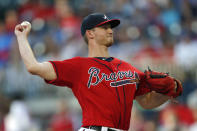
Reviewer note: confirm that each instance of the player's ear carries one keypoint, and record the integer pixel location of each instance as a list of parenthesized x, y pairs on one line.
[(89, 34)]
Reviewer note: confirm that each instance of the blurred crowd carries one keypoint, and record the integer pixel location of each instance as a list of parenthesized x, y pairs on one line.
[(161, 34)]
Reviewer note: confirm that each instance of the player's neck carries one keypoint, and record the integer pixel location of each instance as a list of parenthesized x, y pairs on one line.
[(96, 50)]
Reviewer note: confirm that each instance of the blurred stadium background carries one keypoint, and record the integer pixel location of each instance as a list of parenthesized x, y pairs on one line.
[(161, 34)]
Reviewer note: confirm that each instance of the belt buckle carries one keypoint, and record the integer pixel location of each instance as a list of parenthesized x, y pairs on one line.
[(104, 128), (101, 128), (96, 128)]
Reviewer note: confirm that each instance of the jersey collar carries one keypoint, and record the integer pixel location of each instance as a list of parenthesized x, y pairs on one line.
[(108, 59)]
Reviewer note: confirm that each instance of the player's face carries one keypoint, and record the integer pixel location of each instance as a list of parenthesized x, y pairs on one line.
[(104, 35)]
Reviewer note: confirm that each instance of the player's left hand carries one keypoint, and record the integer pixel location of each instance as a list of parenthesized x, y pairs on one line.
[(163, 83)]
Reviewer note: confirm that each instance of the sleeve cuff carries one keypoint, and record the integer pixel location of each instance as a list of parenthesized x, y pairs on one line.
[(55, 69)]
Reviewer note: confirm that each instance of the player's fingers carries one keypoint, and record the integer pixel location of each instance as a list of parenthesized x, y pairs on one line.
[(175, 87), (174, 100), (18, 28), (24, 26)]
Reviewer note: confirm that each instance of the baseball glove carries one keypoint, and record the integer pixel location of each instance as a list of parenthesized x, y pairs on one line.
[(163, 83)]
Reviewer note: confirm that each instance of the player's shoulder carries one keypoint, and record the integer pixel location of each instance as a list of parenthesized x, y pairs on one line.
[(122, 61), (127, 63), (77, 59), (80, 58)]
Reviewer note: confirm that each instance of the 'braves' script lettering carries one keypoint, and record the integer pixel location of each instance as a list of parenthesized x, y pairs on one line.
[(125, 77)]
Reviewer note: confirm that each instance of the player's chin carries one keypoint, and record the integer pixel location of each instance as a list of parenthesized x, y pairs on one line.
[(110, 43)]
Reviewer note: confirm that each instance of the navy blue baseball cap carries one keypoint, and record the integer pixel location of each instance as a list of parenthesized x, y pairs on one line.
[(95, 20)]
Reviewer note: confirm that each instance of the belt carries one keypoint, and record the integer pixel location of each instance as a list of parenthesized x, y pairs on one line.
[(101, 128)]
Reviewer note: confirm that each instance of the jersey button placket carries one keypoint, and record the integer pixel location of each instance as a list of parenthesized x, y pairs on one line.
[(115, 70)]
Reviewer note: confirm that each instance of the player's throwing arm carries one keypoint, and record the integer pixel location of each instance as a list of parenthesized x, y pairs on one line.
[(44, 69)]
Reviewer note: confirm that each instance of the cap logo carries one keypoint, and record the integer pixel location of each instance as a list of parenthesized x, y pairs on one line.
[(105, 17), (95, 20)]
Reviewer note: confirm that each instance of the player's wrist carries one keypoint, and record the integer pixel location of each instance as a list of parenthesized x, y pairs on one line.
[(21, 37)]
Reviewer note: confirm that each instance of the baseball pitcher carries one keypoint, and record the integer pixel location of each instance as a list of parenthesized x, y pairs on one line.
[(104, 86)]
